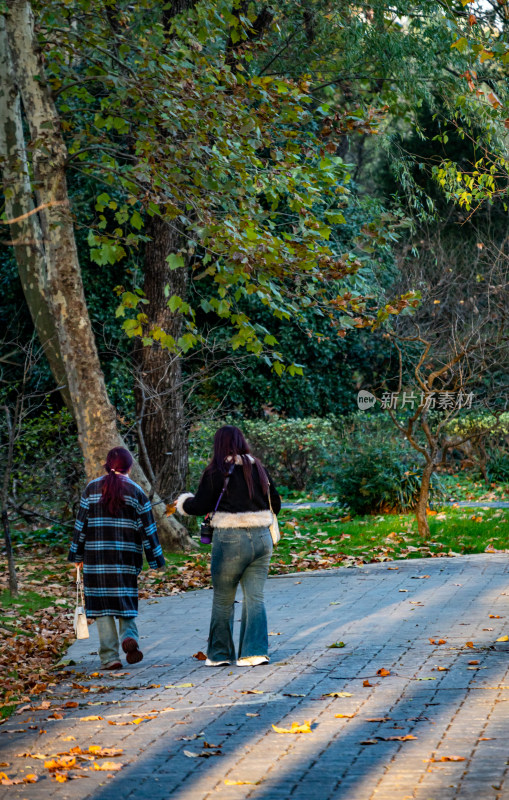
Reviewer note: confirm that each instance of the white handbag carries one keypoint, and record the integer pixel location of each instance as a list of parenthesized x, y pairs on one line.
[(274, 525), (80, 618)]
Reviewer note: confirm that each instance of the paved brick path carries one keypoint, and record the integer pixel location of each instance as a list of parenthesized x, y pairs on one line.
[(385, 614)]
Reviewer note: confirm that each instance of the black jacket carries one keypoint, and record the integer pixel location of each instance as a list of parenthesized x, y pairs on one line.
[(236, 509)]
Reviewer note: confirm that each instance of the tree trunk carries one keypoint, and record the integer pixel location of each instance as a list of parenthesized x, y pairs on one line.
[(61, 280), (423, 501), (162, 428), (26, 234)]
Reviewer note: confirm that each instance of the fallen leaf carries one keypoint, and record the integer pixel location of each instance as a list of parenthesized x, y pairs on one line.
[(379, 719), (440, 641), (441, 669), (405, 738), (337, 694), (495, 616), (296, 728), (99, 751), (473, 662), (68, 738), (56, 715), (369, 741), (503, 639), (110, 766), (228, 782), (293, 694), (71, 704), (90, 719), (383, 672), (346, 716), (252, 691), (471, 644), (336, 645), (30, 778), (60, 777), (446, 758), (200, 656), (179, 685), (366, 683), (252, 715), (203, 754)]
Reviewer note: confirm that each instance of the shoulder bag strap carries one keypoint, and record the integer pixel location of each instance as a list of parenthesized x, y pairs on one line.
[(223, 490)]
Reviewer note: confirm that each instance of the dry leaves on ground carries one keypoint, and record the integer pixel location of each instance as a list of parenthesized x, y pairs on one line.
[(296, 728)]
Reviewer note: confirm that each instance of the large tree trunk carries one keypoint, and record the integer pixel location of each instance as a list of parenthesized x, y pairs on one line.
[(25, 234), (423, 501), (61, 277), (162, 427)]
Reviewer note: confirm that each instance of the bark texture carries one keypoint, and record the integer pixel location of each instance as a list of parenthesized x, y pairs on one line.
[(26, 235), (61, 277), (162, 428), (423, 501)]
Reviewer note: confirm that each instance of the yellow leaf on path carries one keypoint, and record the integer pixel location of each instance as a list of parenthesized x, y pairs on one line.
[(228, 782), (97, 750), (30, 778), (346, 716), (68, 738), (383, 672), (470, 644), (447, 758), (107, 766), (251, 691), (337, 694), (179, 686), (60, 777), (503, 639), (90, 719), (296, 728)]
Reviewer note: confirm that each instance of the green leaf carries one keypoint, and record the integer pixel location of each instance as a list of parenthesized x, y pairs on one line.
[(175, 260)]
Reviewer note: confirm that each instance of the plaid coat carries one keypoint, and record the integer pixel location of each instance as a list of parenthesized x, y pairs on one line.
[(111, 548)]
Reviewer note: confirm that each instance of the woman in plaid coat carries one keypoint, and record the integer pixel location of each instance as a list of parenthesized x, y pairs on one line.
[(114, 525)]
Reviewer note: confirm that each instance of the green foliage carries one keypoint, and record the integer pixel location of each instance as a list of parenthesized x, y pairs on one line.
[(376, 470), (498, 466), (48, 468)]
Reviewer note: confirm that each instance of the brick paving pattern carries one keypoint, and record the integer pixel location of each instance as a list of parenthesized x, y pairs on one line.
[(384, 613)]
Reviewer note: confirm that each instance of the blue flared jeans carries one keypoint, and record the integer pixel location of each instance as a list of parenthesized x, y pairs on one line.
[(239, 555)]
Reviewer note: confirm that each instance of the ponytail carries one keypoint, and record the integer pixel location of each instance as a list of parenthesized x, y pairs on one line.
[(118, 462)]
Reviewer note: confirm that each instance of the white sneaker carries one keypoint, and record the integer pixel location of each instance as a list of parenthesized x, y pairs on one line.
[(252, 661), (210, 663)]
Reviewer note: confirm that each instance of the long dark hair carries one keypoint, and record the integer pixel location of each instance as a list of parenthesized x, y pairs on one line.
[(118, 462), (230, 442)]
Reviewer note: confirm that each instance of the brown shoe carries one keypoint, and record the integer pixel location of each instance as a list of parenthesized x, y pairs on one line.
[(112, 665), (132, 651)]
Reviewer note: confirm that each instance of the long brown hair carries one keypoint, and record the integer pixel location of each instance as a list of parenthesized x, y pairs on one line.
[(118, 462), (230, 442)]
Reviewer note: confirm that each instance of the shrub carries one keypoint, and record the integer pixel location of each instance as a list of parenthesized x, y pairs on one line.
[(377, 469), (498, 467), (297, 452)]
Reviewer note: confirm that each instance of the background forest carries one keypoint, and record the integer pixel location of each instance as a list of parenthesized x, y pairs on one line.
[(250, 212)]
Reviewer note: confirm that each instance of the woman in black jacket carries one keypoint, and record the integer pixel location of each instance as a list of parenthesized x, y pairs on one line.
[(241, 547)]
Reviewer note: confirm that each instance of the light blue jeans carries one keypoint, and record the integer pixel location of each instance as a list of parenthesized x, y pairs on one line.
[(239, 555), (108, 637)]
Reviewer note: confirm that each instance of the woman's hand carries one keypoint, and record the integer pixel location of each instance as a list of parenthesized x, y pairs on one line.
[(79, 565)]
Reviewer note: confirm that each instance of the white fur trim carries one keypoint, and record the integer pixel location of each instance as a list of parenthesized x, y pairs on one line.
[(180, 502), (242, 519), (238, 459)]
